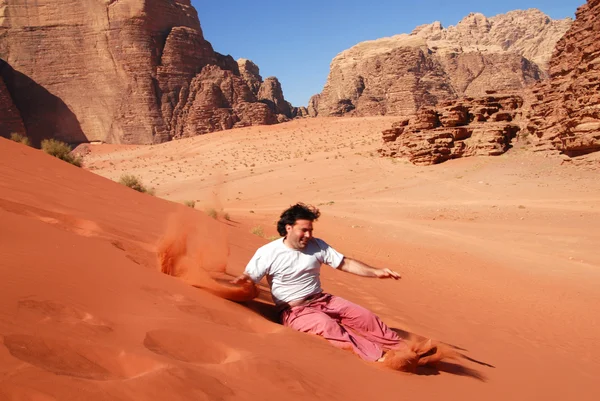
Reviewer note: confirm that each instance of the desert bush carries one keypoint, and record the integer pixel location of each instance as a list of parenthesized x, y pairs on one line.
[(227, 216), (190, 203), (135, 183), (258, 230), (15, 136), (61, 151), (212, 213)]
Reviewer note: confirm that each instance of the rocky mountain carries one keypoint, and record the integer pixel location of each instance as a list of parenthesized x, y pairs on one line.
[(561, 113), (399, 74), (121, 71), (565, 110)]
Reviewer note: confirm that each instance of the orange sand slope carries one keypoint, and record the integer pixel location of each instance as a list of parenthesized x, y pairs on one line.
[(84, 313)]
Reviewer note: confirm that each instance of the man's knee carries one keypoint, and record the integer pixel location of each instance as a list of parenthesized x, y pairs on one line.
[(351, 310), (316, 323)]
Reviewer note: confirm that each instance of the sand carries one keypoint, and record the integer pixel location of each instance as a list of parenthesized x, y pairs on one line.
[(498, 257)]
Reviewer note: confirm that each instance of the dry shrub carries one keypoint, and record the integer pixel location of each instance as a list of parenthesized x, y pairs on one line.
[(15, 136), (61, 151)]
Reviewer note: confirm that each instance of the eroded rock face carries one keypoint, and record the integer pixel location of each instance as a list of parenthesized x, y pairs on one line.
[(271, 94), (529, 33), (565, 110), (251, 74), (313, 105), (114, 70), (216, 100), (401, 74), (482, 126), (10, 117), (300, 112)]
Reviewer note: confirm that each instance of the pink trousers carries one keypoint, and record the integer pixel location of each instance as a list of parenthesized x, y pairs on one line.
[(343, 324)]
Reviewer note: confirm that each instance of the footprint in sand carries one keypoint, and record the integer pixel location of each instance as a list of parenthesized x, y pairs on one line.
[(12, 391), (70, 358), (83, 227), (188, 306), (51, 311), (204, 313), (188, 383), (119, 245), (288, 377), (248, 324), (165, 295), (190, 347)]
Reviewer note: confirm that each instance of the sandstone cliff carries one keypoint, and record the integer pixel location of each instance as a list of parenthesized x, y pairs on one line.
[(398, 75), (565, 113), (10, 117), (125, 71)]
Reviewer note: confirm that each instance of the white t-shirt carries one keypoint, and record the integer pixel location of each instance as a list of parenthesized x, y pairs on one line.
[(292, 274)]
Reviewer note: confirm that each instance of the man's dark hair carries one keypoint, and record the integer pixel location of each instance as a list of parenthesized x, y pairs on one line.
[(299, 211)]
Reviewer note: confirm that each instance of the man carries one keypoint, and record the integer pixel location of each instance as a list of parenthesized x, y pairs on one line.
[(292, 265)]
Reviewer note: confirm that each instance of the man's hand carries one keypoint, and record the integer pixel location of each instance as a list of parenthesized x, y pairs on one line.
[(356, 267), (242, 279), (387, 273)]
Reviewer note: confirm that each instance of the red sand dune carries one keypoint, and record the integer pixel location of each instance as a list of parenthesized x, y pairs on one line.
[(85, 312)]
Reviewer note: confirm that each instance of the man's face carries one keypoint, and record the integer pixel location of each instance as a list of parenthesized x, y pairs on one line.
[(299, 234)]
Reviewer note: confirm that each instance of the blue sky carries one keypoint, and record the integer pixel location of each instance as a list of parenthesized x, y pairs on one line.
[(296, 40)]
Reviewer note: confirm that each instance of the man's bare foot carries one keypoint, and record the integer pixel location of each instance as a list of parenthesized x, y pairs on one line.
[(416, 354), (405, 360), (436, 354)]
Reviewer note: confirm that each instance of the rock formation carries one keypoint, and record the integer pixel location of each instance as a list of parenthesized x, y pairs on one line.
[(400, 74), (269, 92), (565, 113), (216, 100), (562, 112), (123, 71), (251, 74), (10, 118), (481, 126), (313, 105)]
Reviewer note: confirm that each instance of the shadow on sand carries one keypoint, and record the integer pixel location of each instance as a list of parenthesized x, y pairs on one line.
[(444, 366)]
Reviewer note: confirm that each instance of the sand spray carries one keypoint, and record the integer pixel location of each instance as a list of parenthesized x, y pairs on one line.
[(192, 247)]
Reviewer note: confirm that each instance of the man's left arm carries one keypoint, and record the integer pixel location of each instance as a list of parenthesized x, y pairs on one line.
[(362, 269)]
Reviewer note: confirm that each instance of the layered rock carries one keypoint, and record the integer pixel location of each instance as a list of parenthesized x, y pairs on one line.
[(482, 126), (251, 74), (529, 33), (400, 74), (313, 105), (565, 113), (269, 92), (300, 112), (10, 117), (216, 100), (114, 71)]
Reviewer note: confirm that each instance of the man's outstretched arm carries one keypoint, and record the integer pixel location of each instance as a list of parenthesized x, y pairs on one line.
[(361, 269)]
